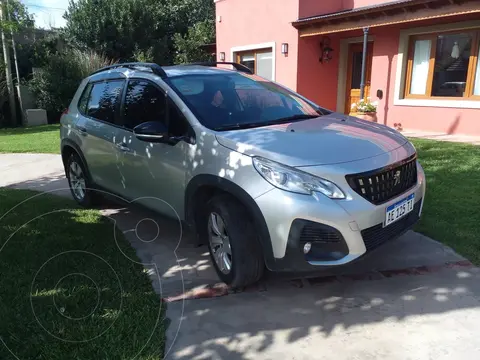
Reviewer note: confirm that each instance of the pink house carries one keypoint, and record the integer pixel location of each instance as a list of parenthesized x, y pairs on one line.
[(420, 61)]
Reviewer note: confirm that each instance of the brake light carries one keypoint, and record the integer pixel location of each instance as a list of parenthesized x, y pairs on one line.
[(65, 112)]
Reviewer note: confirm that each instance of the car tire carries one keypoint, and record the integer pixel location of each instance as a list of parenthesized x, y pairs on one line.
[(227, 221), (79, 182)]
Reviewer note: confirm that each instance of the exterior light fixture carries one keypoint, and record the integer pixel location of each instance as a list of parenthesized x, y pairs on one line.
[(325, 50), (222, 56), (284, 48)]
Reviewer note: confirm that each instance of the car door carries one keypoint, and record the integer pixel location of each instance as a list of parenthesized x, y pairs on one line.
[(98, 127), (154, 172)]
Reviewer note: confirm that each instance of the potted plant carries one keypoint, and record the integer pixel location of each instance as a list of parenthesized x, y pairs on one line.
[(365, 110)]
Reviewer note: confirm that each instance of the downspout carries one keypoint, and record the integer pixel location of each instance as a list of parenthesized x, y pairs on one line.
[(364, 60)]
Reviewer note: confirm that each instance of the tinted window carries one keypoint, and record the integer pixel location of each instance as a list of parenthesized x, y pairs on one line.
[(236, 100), (177, 123), (82, 103), (104, 99), (143, 102)]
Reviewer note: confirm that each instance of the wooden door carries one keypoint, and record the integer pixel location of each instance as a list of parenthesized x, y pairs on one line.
[(354, 74)]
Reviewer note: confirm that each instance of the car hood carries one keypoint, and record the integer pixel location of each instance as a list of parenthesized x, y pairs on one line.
[(328, 139)]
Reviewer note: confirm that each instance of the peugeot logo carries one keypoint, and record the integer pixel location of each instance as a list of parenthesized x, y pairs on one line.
[(396, 178)]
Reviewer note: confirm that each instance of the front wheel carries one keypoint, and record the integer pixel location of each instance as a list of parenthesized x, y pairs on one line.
[(233, 243)]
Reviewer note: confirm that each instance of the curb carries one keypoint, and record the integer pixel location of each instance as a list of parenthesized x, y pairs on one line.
[(221, 289)]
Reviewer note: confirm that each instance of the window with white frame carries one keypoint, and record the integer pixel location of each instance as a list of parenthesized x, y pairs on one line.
[(259, 61)]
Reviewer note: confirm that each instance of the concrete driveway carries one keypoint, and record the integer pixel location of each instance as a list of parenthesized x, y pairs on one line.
[(411, 299)]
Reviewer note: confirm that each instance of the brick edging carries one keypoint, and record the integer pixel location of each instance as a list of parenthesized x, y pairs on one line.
[(221, 289)]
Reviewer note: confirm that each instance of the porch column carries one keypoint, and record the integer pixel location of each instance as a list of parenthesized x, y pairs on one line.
[(364, 60)]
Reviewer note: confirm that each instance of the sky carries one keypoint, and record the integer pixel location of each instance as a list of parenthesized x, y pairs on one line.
[(47, 13)]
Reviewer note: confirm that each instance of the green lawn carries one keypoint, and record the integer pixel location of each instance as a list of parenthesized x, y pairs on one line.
[(37, 139), (66, 289), (452, 205)]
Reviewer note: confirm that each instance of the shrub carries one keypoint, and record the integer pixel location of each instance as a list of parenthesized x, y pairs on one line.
[(365, 106), (55, 84)]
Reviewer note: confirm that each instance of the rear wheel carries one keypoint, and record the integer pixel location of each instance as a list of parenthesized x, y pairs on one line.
[(80, 184), (233, 243)]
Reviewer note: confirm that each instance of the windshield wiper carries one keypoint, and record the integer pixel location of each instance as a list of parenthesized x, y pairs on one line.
[(265, 123)]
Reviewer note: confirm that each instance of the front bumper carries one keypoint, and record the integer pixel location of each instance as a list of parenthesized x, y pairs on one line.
[(358, 222)]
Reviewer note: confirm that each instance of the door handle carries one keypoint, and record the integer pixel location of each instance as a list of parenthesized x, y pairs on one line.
[(122, 146), (83, 130)]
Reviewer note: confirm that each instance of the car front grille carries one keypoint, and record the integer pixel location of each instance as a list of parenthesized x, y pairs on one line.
[(381, 185), (376, 235)]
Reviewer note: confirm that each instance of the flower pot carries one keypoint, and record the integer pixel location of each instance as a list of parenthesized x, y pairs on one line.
[(370, 116)]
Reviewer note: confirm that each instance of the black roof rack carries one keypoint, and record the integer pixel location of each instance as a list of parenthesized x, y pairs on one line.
[(237, 66), (155, 68)]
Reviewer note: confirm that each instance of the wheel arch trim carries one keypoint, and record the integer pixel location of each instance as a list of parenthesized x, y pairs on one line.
[(70, 143), (229, 187)]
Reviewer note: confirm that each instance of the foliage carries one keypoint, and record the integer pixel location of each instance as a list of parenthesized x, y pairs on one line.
[(55, 84), (143, 56), (39, 50), (189, 46), (365, 106), (140, 29), (119, 28), (3, 81), (16, 17)]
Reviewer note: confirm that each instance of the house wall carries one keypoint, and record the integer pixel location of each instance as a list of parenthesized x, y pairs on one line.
[(318, 81), (428, 118), (251, 22), (316, 7)]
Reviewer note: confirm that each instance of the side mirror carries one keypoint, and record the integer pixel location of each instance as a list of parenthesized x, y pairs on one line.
[(151, 131)]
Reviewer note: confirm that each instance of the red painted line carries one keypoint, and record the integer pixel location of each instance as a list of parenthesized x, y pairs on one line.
[(221, 289)]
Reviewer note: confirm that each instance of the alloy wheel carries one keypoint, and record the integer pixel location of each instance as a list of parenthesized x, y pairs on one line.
[(77, 181), (220, 242)]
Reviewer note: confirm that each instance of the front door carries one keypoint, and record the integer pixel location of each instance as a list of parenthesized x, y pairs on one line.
[(354, 74), (154, 173)]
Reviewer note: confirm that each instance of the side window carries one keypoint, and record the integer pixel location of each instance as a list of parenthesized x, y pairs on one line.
[(177, 123), (143, 102), (104, 99), (82, 103)]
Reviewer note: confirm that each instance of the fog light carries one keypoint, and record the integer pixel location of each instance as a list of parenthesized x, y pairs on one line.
[(307, 247)]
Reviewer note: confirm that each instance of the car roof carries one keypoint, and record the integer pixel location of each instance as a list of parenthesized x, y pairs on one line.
[(170, 71), (179, 70)]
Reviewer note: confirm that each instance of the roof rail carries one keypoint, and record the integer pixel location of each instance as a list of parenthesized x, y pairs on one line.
[(237, 66), (155, 68)]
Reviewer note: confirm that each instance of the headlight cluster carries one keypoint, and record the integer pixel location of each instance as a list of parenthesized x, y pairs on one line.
[(293, 180)]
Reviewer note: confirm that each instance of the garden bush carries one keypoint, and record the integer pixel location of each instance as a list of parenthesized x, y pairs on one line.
[(55, 84)]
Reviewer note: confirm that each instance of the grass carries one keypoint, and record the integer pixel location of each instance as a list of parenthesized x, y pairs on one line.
[(37, 139), (66, 289), (452, 204)]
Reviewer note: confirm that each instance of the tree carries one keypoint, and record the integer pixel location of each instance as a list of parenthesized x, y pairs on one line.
[(120, 28), (16, 17), (141, 29), (196, 27), (189, 46)]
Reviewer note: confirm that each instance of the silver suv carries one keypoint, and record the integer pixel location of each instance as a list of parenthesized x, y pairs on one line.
[(264, 176)]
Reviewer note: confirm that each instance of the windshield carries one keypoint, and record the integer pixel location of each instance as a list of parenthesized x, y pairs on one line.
[(236, 100)]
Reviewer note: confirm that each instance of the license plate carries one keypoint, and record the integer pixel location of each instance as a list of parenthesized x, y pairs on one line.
[(398, 210)]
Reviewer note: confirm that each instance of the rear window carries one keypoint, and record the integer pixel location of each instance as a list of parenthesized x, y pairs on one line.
[(220, 100), (82, 103)]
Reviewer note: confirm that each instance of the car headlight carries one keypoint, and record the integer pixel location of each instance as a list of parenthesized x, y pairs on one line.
[(293, 180)]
